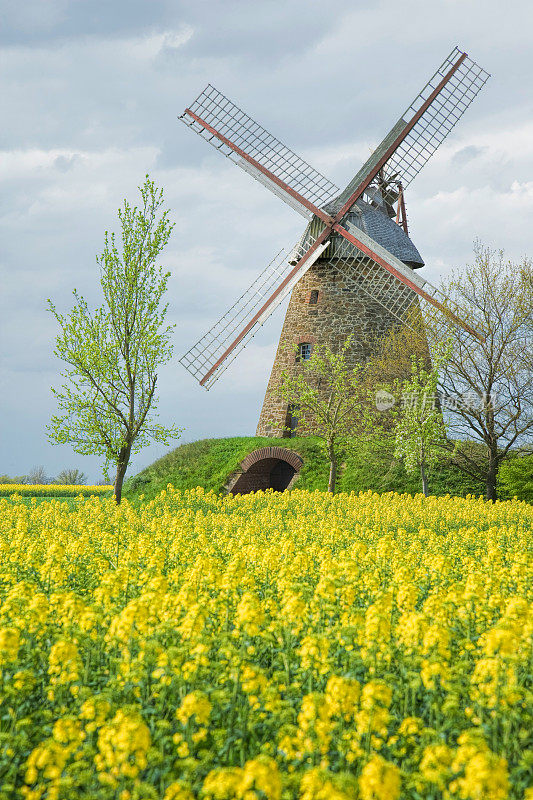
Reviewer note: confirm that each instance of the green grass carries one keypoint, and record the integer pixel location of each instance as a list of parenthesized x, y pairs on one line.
[(209, 462)]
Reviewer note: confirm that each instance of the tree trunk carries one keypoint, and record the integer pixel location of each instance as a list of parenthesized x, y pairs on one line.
[(491, 477), (332, 474), (423, 475), (122, 466)]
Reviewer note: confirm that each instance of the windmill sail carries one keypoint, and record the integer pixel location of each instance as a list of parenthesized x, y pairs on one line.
[(381, 276), (387, 280), (444, 112), (212, 354), (227, 128), (425, 124)]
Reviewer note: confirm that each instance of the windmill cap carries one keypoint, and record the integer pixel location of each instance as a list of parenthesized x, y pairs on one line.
[(379, 226)]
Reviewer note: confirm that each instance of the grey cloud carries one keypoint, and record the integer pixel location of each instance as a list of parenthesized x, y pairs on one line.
[(42, 21), (466, 154)]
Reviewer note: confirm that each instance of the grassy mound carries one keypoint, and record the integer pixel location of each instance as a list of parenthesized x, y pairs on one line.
[(209, 462)]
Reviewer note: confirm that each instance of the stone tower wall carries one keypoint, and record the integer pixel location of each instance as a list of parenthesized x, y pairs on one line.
[(341, 310)]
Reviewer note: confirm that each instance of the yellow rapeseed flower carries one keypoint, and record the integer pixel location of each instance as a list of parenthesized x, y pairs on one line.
[(380, 780)]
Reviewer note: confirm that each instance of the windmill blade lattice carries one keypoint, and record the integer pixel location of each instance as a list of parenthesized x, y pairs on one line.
[(366, 276), (213, 353), (396, 294), (223, 116), (437, 121)]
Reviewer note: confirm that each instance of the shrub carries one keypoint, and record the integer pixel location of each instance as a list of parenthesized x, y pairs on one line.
[(515, 478)]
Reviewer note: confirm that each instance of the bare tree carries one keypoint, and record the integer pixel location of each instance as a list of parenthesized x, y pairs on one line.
[(487, 386), (37, 476), (71, 477)]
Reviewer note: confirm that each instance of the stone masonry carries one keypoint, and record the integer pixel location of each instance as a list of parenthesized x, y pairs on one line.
[(341, 310)]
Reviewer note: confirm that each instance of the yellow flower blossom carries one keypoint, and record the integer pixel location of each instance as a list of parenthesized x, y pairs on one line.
[(123, 745), (380, 780), (435, 765), (9, 645), (485, 777), (260, 779), (315, 785), (194, 704), (64, 662), (176, 791), (249, 615), (222, 784)]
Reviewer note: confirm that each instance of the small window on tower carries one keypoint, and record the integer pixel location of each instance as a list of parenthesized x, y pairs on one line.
[(304, 351), (313, 297)]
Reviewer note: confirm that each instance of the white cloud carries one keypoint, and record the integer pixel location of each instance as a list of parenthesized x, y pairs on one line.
[(144, 48)]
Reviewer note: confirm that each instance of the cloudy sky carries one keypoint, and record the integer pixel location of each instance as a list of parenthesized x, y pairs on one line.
[(91, 91)]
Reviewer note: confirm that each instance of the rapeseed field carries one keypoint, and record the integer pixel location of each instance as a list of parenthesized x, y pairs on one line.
[(266, 647), (52, 490)]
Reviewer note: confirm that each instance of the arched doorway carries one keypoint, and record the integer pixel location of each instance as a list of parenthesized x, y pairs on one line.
[(267, 468)]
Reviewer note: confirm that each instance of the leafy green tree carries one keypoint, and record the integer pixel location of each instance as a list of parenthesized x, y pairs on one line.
[(486, 385), (325, 395), (420, 435), (108, 401), (18, 479)]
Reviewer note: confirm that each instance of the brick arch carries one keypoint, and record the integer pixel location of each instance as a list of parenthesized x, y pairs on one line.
[(268, 467), (290, 456)]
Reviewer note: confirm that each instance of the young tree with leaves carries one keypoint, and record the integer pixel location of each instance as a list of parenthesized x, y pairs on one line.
[(108, 402), (420, 434), (326, 393), (515, 476)]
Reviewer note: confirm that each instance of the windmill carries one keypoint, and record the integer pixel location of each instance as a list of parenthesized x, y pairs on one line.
[(353, 269)]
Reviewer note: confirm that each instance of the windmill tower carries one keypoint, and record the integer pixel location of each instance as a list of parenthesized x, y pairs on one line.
[(353, 270), (327, 304)]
